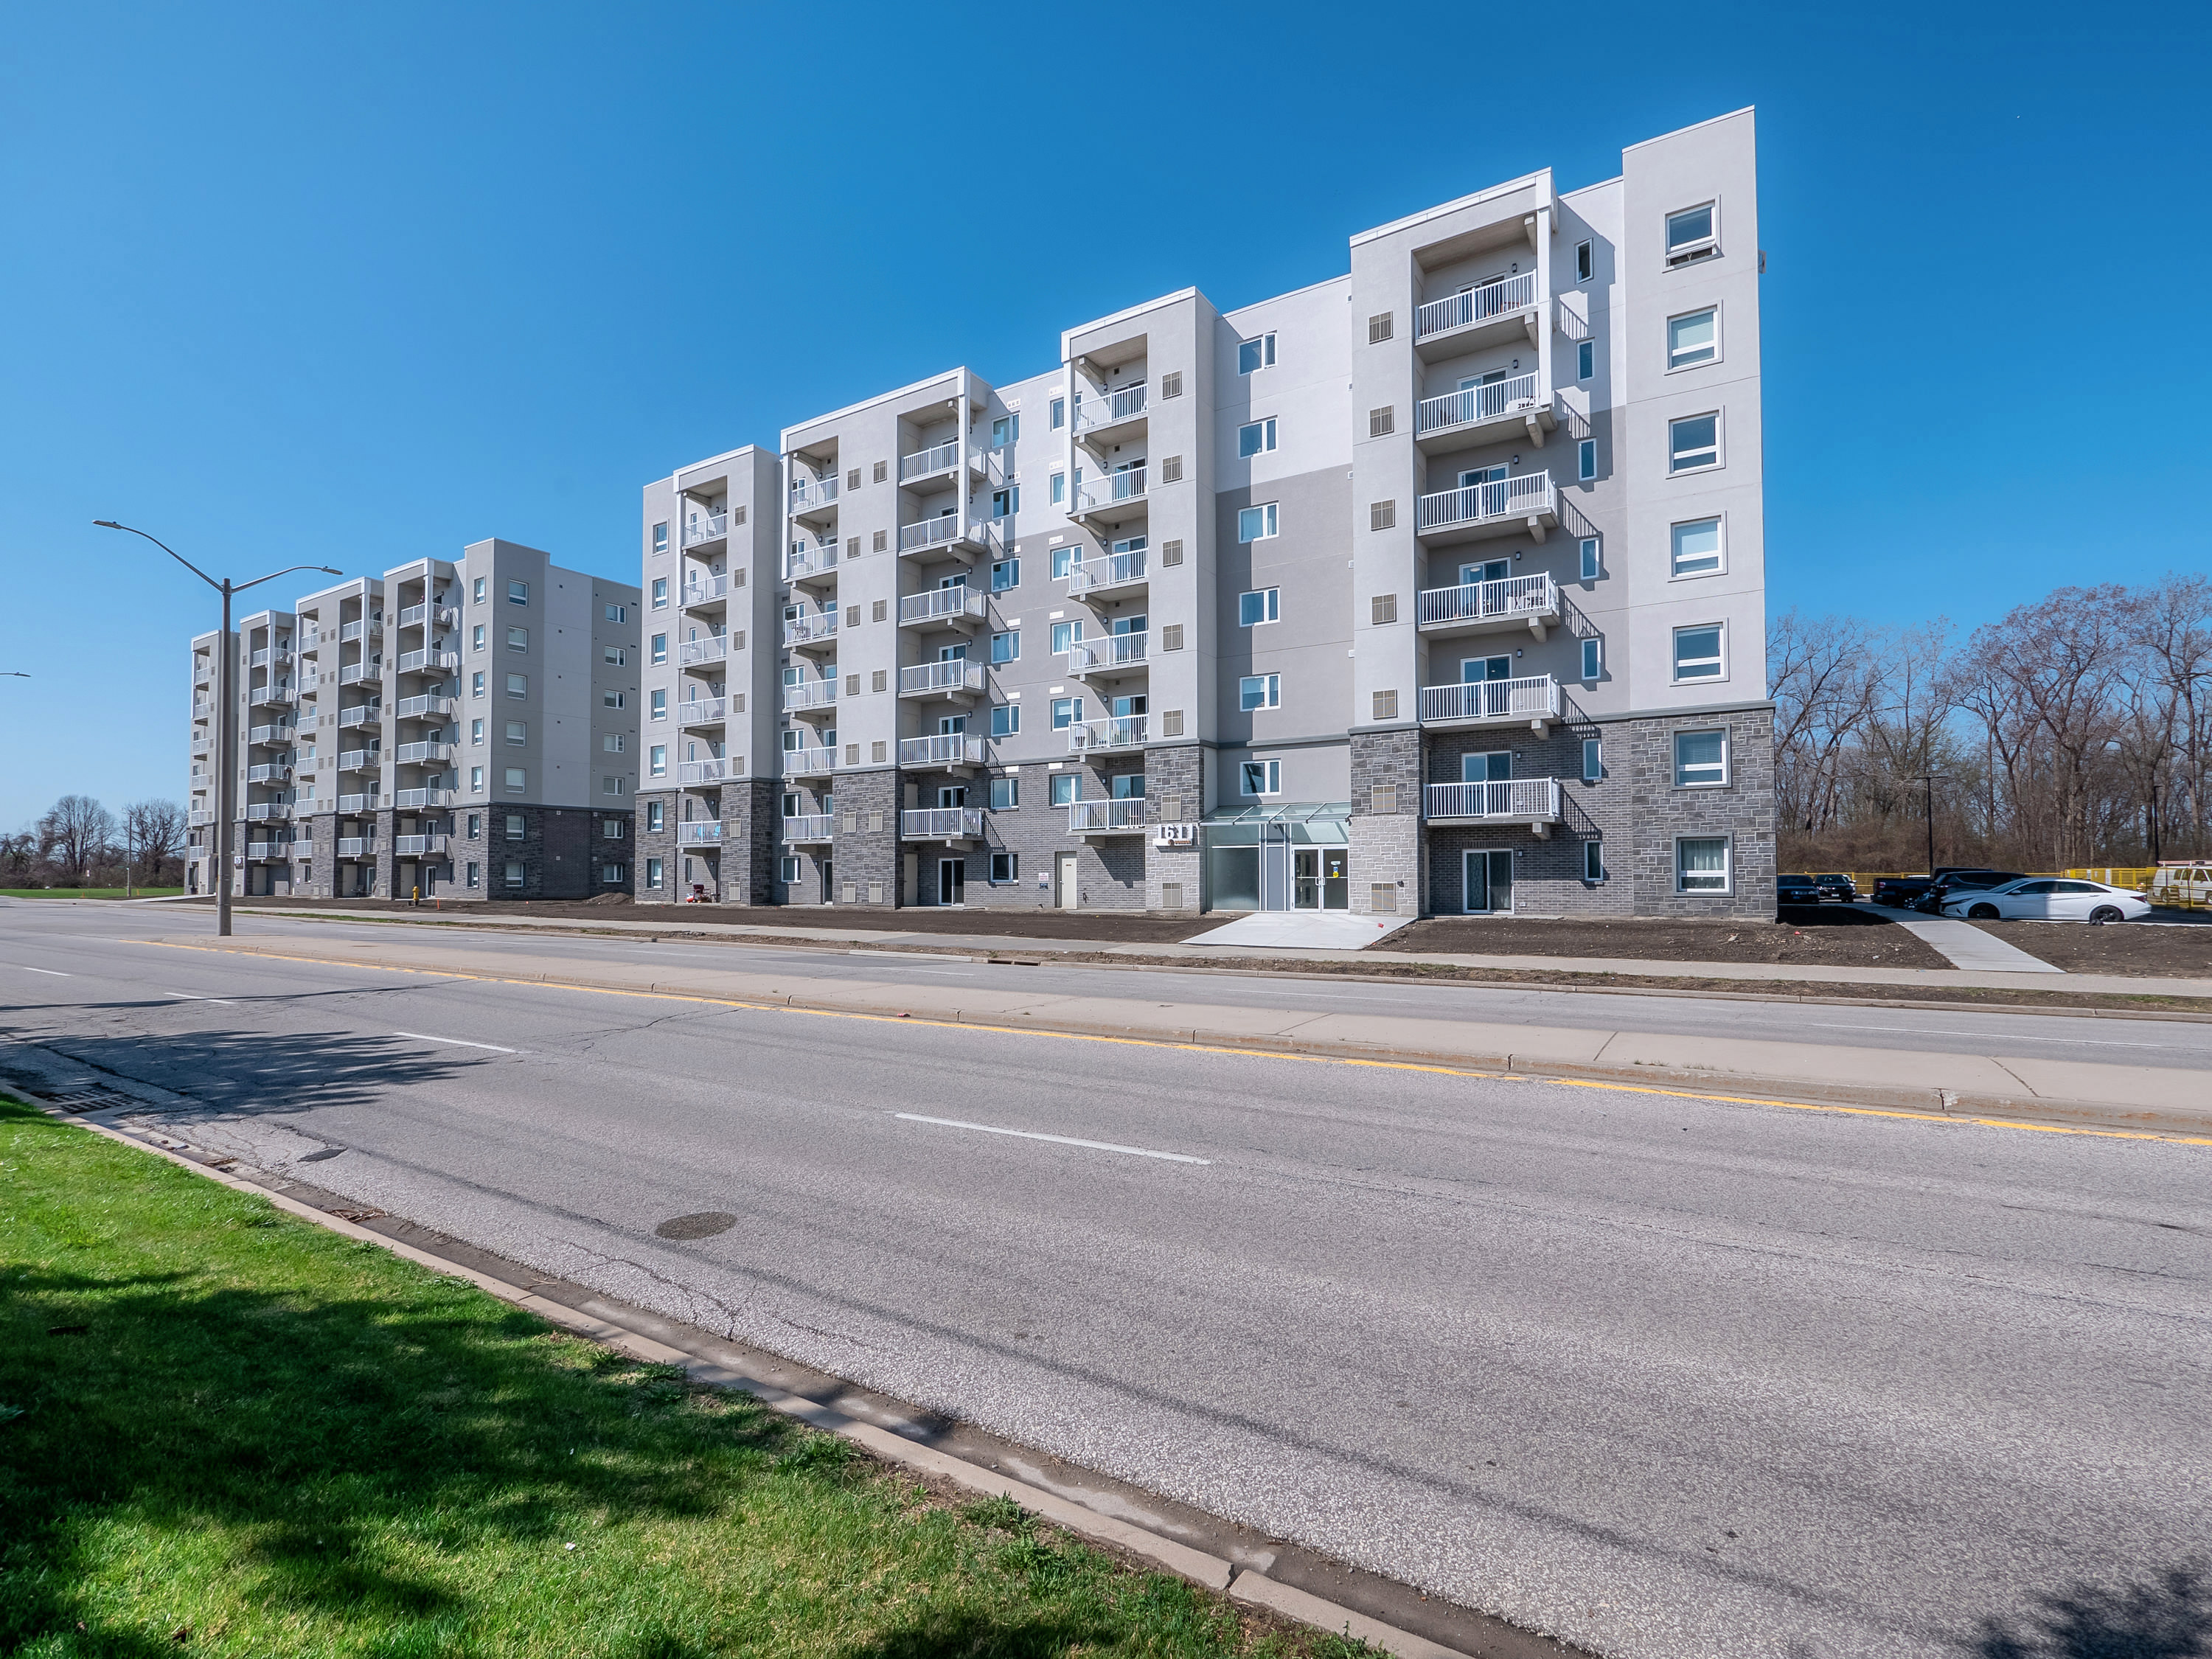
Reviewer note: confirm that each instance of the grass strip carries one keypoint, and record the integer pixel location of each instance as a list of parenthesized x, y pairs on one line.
[(226, 1431)]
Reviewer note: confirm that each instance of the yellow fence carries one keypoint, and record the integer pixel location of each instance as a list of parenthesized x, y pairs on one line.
[(2179, 887)]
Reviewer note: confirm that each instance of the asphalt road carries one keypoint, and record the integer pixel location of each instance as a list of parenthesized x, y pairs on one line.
[(1662, 1376)]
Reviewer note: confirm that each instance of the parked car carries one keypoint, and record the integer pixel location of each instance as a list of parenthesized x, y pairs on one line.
[(1899, 891), (2048, 898), (1796, 890), (1948, 883), (1838, 887)]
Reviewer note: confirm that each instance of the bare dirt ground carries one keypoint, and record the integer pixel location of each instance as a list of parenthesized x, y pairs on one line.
[(1820, 936), (2151, 949)]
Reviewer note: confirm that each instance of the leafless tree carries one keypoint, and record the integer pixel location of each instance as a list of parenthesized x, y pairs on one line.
[(153, 835), (75, 835)]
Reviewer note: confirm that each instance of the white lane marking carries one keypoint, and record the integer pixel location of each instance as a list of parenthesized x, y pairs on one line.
[(2008, 1036), (1062, 1140), (27, 968), (186, 996), (457, 1042)]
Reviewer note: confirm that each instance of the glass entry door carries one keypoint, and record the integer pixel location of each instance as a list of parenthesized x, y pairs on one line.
[(1489, 878), (1305, 888)]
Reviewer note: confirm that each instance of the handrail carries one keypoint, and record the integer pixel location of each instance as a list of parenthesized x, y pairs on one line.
[(1534, 798), (1493, 402), (957, 601), (1528, 698), (804, 561), (711, 528), (705, 590), (713, 648), (812, 693), (811, 629), (1124, 813), (809, 826), (1128, 731), (806, 762), (1501, 498), (935, 458), (1508, 597), (947, 822), (1108, 570), (702, 711), (810, 493), (705, 771), (941, 749), (1108, 651), (1498, 298), (1111, 488), (1123, 404), (955, 674), (700, 831)]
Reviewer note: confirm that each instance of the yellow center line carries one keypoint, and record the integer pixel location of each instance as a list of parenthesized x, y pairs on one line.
[(912, 1020)]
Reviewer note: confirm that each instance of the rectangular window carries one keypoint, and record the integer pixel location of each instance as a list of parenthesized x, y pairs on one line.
[(518, 639), (616, 656), (612, 743), (1586, 460), (1006, 794), (1006, 867), (656, 760), (611, 829), (518, 592), (1057, 492), (1007, 501), (1593, 759), (476, 780), (1697, 653), (1261, 777), (1696, 547), (476, 685), (614, 699), (1700, 758), (476, 637), (1065, 788), (653, 819), (518, 732), (478, 591), (1256, 524), (616, 613), (653, 871), (476, 734), (1582, 262), (517, 781), (1258, 606), (1257, 439), (661, 538), (1005, 719), (517, 685), (1689, 235), (1061, 558), (1694, 442), (516, 828), (1005, 429), (1701, 864), (1260, 691), (1065, 634), (1591, 660), (1065, 711), (660, 648), (660, 592), (514, 875), (476, 876), (661, 705), (1693, 338), (1008, 646), (1059, 413), (614, 786), (1593, 861), (1585, 360), (1256, 354), (1593, 563), (476, 826), (1006, 573)]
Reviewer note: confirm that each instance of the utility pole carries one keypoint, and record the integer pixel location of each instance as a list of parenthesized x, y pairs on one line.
[(1929, 779)]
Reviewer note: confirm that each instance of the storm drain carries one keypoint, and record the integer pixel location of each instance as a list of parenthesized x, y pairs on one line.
[(705, 1224)]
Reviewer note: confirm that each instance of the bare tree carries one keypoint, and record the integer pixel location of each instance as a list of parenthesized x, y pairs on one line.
[(1826, 681), (75, 834), (153, 833)]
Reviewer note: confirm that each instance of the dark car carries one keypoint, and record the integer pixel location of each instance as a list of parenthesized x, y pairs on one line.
[(1899, 891), (1837, 887), (1796, 890), (1947, 882)]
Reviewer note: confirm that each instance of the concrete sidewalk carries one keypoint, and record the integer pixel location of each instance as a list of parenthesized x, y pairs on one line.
[(2144, 1098)]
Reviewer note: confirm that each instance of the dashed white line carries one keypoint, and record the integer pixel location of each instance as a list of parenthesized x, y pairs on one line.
[(457, 1042), (52, 972), (1061, 1141), (186, 996)]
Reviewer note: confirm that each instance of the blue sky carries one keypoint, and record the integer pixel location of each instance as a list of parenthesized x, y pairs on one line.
[(355, 286)]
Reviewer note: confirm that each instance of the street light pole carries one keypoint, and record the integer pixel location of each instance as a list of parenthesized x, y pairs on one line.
[(1929, 779), (227, 715)]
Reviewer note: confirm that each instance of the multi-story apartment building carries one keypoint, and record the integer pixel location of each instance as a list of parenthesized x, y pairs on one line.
[(460, 729), (1435, 586)]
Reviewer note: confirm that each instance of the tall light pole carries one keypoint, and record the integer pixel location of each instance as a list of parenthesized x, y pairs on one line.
[(1930, 780), (226, 714)]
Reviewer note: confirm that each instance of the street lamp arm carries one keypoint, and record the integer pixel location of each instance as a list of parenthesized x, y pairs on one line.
[(109, 524), (328, 570)]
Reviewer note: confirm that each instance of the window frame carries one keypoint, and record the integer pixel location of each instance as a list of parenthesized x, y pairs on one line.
[(1012, 638), (518, 639), (660, 652), (1264, 443), (1262, 346), (659, 593), (1270, 522), (1005, 868), (1585, 459), (1270, 687), (1586, 359), (1727, 886), (1675, 468), (1063, 788), (1005, 719), (1593, 663), (1271, 606), (1585, 261), (1006, 784), (1591, 552), (522, 690), (1013, 568), (1719, 566), (1594, 861), (1270, 777), (1725, 764), (1713, 353), (1696, 249), (518, 592), (1674, 659), (1593, 759)]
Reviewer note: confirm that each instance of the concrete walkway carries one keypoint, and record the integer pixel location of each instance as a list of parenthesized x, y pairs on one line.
[(1302, 930), (1966, 944)]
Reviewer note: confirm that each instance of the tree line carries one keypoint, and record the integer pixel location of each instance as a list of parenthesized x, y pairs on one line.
[(2074, 731), (78, 842)]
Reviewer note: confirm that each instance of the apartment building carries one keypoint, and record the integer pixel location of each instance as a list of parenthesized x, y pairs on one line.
[(452, 730), (1436, 586)]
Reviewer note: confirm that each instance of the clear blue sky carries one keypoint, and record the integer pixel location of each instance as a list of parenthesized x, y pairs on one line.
[(359, 285)]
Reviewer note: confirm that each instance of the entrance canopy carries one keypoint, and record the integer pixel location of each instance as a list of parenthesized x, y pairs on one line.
[(1298, 823)]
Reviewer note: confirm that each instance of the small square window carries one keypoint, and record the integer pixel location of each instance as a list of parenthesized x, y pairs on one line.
[(616, 613), (1065, 712), (1005, 429), (1006, 794), (1700, 758), (1064, 634), (1006, 573), (786, 869), (1585, 360), (616, 656), (1006, 867), (1693, 338), (518, 732), (1592, 562), (1593, 759), (1006, 503), (1259, 606), (1260, 691), (517, 781), (1256, 439), (517, 685), (514, 875), (1592, 659), (1697, 653), (1005, 719), (1261, 777), (518, 592), (1065, 788), (614, 699), (1257, 354), (1593, 861), (611, 829), (1257, 524), (615, 742), (1061, 558), (518, 639), (1701, 864), (516, 829), (1007, 647), (1694, 442), (1695, 548)]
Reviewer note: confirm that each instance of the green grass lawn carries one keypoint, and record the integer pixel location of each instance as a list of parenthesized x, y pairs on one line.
[(227, 1431), (88, 892)]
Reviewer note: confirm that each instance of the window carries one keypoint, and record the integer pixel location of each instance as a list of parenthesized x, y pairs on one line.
[(1586, 460), (611, 829), (1692, 338), (517, 685), (1593, 759), (1257, 607), (661, 538), (1700, 758), (1005, 719), (661, 705), (616, 656), (517, 781), (614, 699), (1256, 524), (1065, 711), (652, 871), (518, 592), (476, 734), (1065, 634), (476, 637), (1006, 793), (1701, 864), (1260, 691), (1257, 439), (1255, 354), (518, 639), (655, 819), (1593, 563), (1005, 501), (518, 732), (1006, 867), (476, 875), (1592, 659), (788, 871), (660, 592), (1697, 653), (1582, 262), (1593, 861), (616, 613), (612, 743), (660, 648), (657, 763), (1061, 558), (1005, 429), (1694, 442), (1006, 573), (609, 785), (1007, 647), (476, 780), (516, 829), (478, 592), (1689, 235), (1261, 777), (1696, 547), (514, 875), (476, 685), (1585, 360), (1059, 413)]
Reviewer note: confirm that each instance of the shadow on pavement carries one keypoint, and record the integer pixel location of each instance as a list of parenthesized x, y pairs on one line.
[(2168, 1617)]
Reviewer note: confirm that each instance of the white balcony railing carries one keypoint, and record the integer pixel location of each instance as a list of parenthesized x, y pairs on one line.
[(706, 528), (939, 531), (269, 849), (804, 561), (419, 754), (1108, 652), (809, 826), (705, 771), (1509, 598), (356, 847), (354, 673), (700, 832), (941, 749), (1499, 299), (270, 694), (1533, 800), (419, 797), (810, 694), (269, 772), (810, 495), (942, 822), (1535, 697), (1524, 497), (1128, 814), (935, 458), (1105, 570), (198, 818), (958, 675), (713, 648), (1111, 488), (415, 707), (808, 763), (705, 590), (1475, 404), (360, 760), (1123, 404), (361, 714), (815, 627), (271, 654), (265, 812), (361, 630), (703, 711), (421, 662), (941, 604), (1128, 732), (416, 846), (356, 803), (265, 734), (410, 614)]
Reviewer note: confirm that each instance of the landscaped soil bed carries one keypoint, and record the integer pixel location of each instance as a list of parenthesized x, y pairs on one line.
[(2151, 950), (1839, 936)]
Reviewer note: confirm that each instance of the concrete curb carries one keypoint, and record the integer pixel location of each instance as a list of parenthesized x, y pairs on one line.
[(1212, 1572)]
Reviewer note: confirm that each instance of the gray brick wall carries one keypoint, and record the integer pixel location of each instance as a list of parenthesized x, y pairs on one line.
[(1386, 847), (1548, 871), (1175, 792), (1743, 811), (657, 844), (865, 846)]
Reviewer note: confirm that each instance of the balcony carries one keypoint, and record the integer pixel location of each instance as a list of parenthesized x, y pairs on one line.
[(958, 679), (420, 707), (415, 798), (1117, 415), (1112, 817), (702, 528), (947, 752), (702, 711), (1129, 731), (929, 462), (1123, 576), (411, 847), (356, 847), (808, 763), (269, 656), (809, 826), (941, 823), (700, 832), (814, 630), (705, 590), (275, 850), (1461, 323), (1534, 700), (1532, 801), (948, 534), (268, 811), (957, 607), (275, 771), (1502, 412), (1112, 496), (356, 803), (810, 696), (354, 673), (424, 754), (271, 695), (695, 773), (811, 564), (1503, 507), (361, 630), (810, 497), (713, 648), (263, 734), (1494, 607), (1112, 654), (429, 662), (198, 818), (414, 615), (206, 745), (361, 714), (361, 760)]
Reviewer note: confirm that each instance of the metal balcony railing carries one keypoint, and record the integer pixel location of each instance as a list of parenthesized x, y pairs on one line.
[(1105, 570), (1109, 489), (419, 797), (1532, 800), (941, 604), (354, 673), (417, 754), (360, 760), (269, 849), (705, 771), (198, 818), (804, 561), (412, 614), (935, 458), (939, 532), (713, 648), (809, 826), (700, 832), (1527, 496), (271, 695), (416, 708), (356, 847), (416, 846), (956, 674), (1109, 651), (421, 662), (941, 749), (265, 812), (1128, 732), (361, 630), (1475, 404), (808, 763), (263, 734), (702, 711), (361, 714), (356, 803), (1125, 814), (942, 822), (815, 627), (705, 590), (1534, 697), (811, 693), (1507, 600), (706, 528), (270, 773), (1123, 404), (810, 495), (1498, 298)]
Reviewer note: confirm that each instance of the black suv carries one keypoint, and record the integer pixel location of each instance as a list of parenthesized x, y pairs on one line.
[(1837, 887), (1796, 890), (1947, 882), (1899, 891)]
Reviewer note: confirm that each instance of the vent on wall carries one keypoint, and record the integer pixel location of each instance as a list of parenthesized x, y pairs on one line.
[(1171, 637), (738, 576), (878, 753), (1383, 797), (1171, 808), (851, 894), (1171, 384), (1382, 899), (737, 516), (883, 471), (1386, 705), (1383, 607), (852, 547), (1171, 470), (1172, 723), (853, 479), (1170, 896), (853, 620), (881, 681), (1378, 328), (738, 641), (852, 758), (880, 611), (737, 703), (882, 541), (852, 685), (1382, 422), (1171, 552), (1383, 515)]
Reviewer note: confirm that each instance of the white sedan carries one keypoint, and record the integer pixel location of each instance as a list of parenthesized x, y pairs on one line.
[(2047, 898)]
